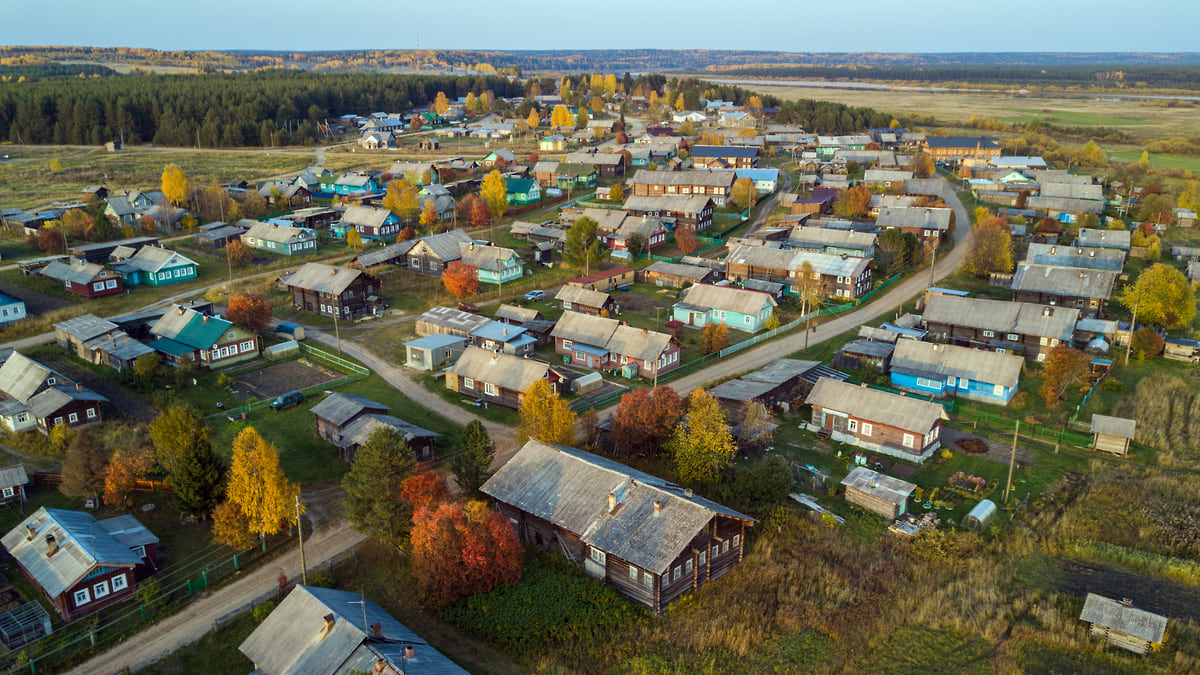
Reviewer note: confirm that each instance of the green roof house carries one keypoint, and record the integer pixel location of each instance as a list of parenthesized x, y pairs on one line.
[(523, 190), (154, 266), (208, 341)]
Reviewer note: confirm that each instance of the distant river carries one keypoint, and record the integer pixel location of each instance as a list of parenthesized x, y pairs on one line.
[(940, 90)]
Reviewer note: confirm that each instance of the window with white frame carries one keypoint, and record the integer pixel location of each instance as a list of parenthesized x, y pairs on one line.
[(57, 421), (725, 546), (489, 389), (100, 590), (468, 383), (139, 550), (597, 555), (998, 390), (9, 492), (91, 413), (72, 418), (248, 346), (119, 583), (988, 333), (98, 286), (1041, 357), (110, 284), (852, 425), (633, 573), (687, 566), (676, 572), (716, 549), (1013, 337), (647, 580), (1054, 342), (950, 380), (737, 541), (1043, 341), (82, 597), (866, 429), (703, 557), (908, 440)]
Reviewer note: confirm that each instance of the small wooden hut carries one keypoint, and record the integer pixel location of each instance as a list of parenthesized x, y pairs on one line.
[(1122, 624), (1112, 434)]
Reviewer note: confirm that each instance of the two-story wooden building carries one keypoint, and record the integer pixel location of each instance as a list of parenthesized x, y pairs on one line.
[(80, 564), (607, 344), (431, 254), (715, 185), (1005, 327), (695, 211), (724, 157), (1084, 289), (334, 291), (372, 222), (837, 276), (33, 396), (651, 539)]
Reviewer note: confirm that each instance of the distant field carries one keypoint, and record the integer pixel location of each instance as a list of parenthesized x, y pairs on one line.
[(1145, 120), (1168, 161)]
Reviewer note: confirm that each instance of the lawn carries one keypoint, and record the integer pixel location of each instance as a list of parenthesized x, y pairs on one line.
[(495, 413), (1167, 161)]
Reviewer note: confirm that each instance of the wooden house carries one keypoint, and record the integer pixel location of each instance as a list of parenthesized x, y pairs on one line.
[(1084, 289), (586, 301), (493, 264), (864, 354), (1112, 434), (280, 239), (497, 336), (878, 493), (323, 630), (1095, 238), (1122, 624), (431, 254), (954, 149), (335, 291), (80, 564), (925, 223), (673, 275), (832, 242), (13, 480), (608, 164), (346, 421), (433, 351), (943, 370), (1089, 258), (522, 191), (11, 309), (498, 378), (85, 279), (208, 341), (737, 308), (607, 344), (649, 538), (372, 222), (695, 211), (154, 266), (605, 280), (876, 420), (716, 185), (33, 396), (1005, 327), (838, 276), (724, 157), (782, 382)]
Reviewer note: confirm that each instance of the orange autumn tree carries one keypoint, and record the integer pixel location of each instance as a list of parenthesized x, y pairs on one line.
[(425, 489), (685, 237), (461, 279), (460, 550), (124, 469), (250, 311), (1063, 367)]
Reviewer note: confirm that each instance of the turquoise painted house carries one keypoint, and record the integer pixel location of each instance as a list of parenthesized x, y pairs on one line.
[(280, 238), (353, 183), (494, 264), (737, 308), (153, 266), (523, 190), (949, 370)]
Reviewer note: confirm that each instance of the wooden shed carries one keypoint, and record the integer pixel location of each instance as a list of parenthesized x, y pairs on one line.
[(878, 493), (1112, 434), (1122, 624)]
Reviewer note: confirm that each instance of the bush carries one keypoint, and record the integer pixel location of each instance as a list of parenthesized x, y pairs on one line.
[(755, 487), (1111, 384), (264, 610), (322, 578)]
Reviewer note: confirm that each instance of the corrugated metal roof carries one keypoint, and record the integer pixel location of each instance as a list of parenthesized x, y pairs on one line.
[(358, 431), (498, 331), (502, 370), (727, 298), (741, 389), (386, 254), (339, 408), (281, 234), (1119, 239), (291, 640), (705, 178), (801, 237), (923, 218), (443, 246), (1094, 258), (21, 377), (578, 295), (12, 476), (1072, 191), (320, 278), (1065, 205), (883, 407), (611, 336), (86, 327), (365, 216), (1066, 281), (82, 544), (951, 360), (869, 348), (1108, 613), (128, 530), (1002, 317), (890, 489), (189, 327), (570, 488), (694, 204), (1113, 426)]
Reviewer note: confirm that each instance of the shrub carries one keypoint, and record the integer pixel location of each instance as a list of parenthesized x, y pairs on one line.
[(264, 610)]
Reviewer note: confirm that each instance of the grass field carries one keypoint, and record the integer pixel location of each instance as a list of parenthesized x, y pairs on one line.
[(1075, 118), (1166, 161)]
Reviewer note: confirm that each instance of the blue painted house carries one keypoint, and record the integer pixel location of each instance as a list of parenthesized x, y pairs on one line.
[(493, 264), (737, 308), (353, 183), (11, 309), (154, 266), (948, 370)]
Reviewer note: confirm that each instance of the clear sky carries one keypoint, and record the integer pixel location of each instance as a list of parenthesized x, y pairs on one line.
[(785, 25)]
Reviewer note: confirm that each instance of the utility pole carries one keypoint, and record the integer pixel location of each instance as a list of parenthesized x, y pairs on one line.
[(300, 531), (1132, 326), (933, 263), (1012, 460), (337, 332)]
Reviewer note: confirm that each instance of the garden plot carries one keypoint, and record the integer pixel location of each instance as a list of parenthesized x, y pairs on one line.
[(280, 378)]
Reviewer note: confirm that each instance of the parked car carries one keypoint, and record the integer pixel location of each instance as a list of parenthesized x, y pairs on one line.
[(468, 307), (535, 296), (292, 398)]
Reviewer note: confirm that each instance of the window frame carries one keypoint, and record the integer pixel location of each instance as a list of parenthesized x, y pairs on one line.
[(121, 578), (87, 597), (100, 590)]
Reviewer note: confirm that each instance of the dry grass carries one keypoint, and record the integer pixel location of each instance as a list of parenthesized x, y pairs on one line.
[(1167, 410)]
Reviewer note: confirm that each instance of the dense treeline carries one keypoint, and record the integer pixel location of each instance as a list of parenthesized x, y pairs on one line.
[(249, 109), (41, 71), (1107, 76)]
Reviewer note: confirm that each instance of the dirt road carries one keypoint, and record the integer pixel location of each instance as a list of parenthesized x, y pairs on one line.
[(190, 624)]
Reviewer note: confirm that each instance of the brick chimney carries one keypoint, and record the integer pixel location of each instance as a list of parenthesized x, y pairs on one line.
[(377, 629), (330, 620), (51, 546), (409, 652), (658, 506), (31, 531), (612, 501)]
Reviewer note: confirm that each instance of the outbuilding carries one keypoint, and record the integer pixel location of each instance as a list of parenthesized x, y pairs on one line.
[(1112, 434), (878, 493), (1122, 624)]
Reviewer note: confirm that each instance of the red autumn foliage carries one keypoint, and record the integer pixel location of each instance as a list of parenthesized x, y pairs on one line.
[(406, 233), (685, 237), (645, 418), (424, 490), (460, 550), (460, 278), (250, 311)]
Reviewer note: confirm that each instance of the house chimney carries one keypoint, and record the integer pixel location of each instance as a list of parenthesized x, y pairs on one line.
[(332, 271), (1045, 311), (51, 546), (329, 620), (409, 652), (377, 629), (78, 387), (1053, 250), (687, 493), (612, 501), (31, 532), (380, 664), (658, 506)]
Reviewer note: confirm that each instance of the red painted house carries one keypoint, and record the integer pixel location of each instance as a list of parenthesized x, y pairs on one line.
[(81, 564), (90, 280), (607, 344)]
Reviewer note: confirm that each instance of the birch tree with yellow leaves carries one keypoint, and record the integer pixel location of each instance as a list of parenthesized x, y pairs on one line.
[(258, 486)]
